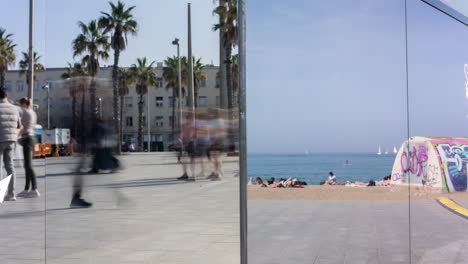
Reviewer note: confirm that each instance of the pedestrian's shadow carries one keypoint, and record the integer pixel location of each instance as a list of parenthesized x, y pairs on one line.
[(142, 183)]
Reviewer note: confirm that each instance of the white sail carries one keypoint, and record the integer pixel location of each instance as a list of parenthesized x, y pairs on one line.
[(386, 152), (380, 151), (394, 150)]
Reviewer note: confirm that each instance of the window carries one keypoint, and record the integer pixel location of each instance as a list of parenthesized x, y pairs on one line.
[(8, 86), (49, 82), (160, 82), (36, 86), (171, 103), (129, 121), (128, 100), (159, 121), (217, 80), (19, 86), (203, 82), (159, 101), (202, 101)]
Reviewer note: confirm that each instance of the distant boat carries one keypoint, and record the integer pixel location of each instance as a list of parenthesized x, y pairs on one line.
[(379, 152), (394, 150), (386, 152), (307, 152)]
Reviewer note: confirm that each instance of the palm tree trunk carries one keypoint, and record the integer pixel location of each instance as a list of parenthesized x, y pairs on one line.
[(140, 123), (173, 112), (82, 121), (115, 98), (2, 81), (120, 123), (92, 99), (74, 132), (227, 63)]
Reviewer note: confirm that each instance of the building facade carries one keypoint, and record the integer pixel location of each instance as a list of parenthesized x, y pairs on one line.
[(159, 98)]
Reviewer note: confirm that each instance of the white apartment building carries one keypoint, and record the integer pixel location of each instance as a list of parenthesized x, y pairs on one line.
[(160, 102)]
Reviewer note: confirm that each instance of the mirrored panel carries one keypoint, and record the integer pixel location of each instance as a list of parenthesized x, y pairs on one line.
[(327, 118), (136, 141), (434, 162), (22, 167)]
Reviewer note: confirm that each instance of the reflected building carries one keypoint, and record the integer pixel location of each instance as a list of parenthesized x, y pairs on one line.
[(161, 103)]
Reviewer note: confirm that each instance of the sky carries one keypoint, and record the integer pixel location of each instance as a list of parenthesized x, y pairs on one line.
[(160, 22), (330, 76)]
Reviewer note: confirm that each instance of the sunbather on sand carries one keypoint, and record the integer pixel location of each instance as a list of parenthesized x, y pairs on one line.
[(331, 179)]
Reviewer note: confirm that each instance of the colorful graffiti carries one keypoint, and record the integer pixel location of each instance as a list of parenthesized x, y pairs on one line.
[(454, 160), (414, 162)]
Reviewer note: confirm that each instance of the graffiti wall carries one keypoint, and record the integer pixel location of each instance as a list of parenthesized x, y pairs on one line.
[(433, 162), (453, 156)]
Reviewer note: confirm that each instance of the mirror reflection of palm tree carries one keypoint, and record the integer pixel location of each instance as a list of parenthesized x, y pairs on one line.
[(144, 75), (76, 80), (7, 55), (125, 81), (120, 22), (24, 65), (93, 44)]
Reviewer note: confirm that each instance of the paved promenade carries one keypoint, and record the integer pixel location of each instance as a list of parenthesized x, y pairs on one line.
[(140, 215), (329, 232)]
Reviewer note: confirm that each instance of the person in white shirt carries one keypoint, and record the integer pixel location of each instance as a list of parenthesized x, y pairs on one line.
[(28, 121), (331, 179)]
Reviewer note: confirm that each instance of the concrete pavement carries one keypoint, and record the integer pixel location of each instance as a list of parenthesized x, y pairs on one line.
[(300, 231), (140, 215)]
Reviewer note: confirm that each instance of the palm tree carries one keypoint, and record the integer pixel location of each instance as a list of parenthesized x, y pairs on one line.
[(171, 76), (198, 76), (121, 22), (7, 55), (24, 65), (235, 76), (94, 44), (125, 81), (227, 12), (77, 87), (144, 76)]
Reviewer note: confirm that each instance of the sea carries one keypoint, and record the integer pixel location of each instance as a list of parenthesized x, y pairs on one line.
[(314, 167)]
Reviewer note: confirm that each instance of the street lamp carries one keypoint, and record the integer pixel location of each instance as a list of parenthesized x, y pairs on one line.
[(47, 88), (179, 77)]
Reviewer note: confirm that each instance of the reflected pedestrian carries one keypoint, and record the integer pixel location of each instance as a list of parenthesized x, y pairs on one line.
[(9, 125), (28, 122)]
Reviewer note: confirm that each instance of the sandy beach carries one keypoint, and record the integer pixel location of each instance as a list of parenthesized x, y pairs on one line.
[(316, 192)]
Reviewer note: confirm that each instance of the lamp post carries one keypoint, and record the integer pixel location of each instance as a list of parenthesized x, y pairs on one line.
[(191, 92), (47, 88), (148, 121), (31, 52), (179, 79)]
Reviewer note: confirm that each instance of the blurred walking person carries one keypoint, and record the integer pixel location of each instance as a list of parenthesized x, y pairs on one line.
[(28, 122), (9, 125), (217, 128), (188, 150)]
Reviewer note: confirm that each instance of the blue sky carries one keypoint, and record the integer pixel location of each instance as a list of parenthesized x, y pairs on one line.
[(330, 75), (322, 75), (160, 22)]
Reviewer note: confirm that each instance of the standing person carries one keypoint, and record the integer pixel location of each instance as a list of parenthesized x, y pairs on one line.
[(9, 125), (28, 122), (217, 128), (188, 151), (202, 142)]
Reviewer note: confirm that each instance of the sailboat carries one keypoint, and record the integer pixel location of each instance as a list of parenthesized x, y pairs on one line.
[(386, 152), (380, 151), (394, 150)]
